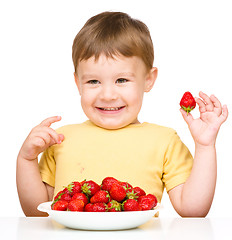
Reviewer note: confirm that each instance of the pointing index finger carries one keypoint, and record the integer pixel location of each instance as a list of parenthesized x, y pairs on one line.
[(48, 121)]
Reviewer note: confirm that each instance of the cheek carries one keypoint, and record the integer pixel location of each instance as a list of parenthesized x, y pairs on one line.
[(135, 95), (86, 100), (87, 95)]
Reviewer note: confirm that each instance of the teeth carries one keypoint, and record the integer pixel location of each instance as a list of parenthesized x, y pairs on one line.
[(111, 109)]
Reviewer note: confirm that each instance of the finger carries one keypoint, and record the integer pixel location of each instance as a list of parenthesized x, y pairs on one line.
[(209, 105), (54, 135), (187, 117), (49, 135), (217, 105), (57, 138), (201, 105), (47, 122), (224, 114), (42, 141)]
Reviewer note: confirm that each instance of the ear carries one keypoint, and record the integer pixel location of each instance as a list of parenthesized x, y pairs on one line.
[(150, 79), (77, 82)]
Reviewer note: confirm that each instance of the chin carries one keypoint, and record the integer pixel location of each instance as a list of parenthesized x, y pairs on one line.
[(111, 126)]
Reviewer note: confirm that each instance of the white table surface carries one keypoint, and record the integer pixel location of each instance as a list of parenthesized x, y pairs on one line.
[(155, 229)]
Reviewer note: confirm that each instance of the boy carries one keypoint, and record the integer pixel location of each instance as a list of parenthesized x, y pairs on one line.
[(113, 60)]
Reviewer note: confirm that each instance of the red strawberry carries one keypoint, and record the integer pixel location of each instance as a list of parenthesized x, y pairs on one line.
[(65, 190), (114, 206), (76, 205), (74, 187), (58, 195), (187, 102), (89, 188), (108, 182), (147, 202), (152, 196), (100, 196), (139, 191), (66, 196), (126, 185), (96, 207), (88, 207), (131, 194), (99, 207), (117, 192), (131, 205), (80, 196), (60, 205)]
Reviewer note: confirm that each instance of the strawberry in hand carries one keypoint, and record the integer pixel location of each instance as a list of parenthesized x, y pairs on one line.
[(187, 102), (212, 114)]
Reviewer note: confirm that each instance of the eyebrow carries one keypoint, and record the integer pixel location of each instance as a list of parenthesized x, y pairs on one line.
[(129, 74), (95, 76), (89, 76)]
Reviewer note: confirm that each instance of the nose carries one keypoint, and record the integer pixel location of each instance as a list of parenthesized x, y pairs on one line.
[(108, 92)]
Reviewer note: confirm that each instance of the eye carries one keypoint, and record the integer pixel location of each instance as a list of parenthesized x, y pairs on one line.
[(93, 82), (121, 80)]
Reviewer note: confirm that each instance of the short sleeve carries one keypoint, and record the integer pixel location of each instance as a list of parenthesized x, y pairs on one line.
[(177, 163), (47, 167)]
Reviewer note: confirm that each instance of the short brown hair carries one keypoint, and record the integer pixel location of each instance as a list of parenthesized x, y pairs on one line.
[(113, 33)]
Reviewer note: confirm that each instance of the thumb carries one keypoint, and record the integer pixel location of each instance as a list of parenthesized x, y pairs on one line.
[(187, 117)]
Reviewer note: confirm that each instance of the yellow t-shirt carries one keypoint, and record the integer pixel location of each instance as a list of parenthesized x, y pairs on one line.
[(145, 155)]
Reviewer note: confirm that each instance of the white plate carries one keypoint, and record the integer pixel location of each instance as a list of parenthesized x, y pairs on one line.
[(99, 220)]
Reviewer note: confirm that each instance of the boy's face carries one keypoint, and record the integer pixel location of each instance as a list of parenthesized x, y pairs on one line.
[(112, 89)]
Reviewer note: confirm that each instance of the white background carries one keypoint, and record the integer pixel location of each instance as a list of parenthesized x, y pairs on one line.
[(192, 42)]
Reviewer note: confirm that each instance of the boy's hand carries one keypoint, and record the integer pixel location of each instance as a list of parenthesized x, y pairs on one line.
[(40, 138), (204, 129)]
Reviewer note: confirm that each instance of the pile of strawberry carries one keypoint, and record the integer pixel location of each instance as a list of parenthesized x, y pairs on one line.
[(111, 196)]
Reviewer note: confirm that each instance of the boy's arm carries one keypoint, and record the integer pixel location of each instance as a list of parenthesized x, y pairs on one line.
[(195, 196), (31, 190)]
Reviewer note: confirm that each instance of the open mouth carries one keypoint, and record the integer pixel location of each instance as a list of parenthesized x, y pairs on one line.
[(110, 109)]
